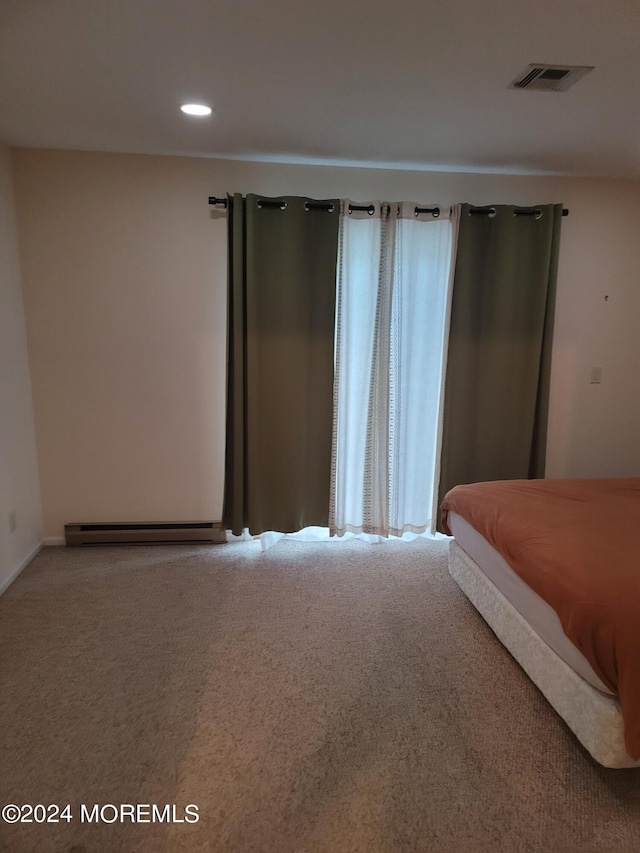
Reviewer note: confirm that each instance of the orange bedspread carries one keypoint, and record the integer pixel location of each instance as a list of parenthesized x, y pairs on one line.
[(577, 544)]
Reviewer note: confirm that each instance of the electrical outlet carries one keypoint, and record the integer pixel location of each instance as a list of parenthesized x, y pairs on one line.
[(13, 521)]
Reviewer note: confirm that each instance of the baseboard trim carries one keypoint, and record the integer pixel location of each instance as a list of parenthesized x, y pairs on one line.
[(6, 583), (53, 541)]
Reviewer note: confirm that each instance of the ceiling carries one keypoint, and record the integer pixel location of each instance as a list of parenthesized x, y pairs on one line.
[(406, 83)]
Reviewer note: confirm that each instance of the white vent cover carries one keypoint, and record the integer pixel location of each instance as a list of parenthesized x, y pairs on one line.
[(549, 78)]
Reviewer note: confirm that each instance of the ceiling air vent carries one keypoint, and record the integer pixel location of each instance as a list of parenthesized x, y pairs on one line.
[(549, 78)]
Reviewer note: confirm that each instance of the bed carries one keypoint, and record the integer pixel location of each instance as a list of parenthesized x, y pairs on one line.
[(553, 566)]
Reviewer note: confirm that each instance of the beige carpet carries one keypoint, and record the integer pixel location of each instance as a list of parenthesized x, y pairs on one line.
[(312, 698)]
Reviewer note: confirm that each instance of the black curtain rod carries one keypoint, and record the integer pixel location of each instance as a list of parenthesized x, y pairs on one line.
[(370, 208), (518, 211), (323, 205), (269, 202), (473, 211)]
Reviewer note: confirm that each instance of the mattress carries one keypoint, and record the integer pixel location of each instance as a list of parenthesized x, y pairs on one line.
[(540, 615), (593, 716)]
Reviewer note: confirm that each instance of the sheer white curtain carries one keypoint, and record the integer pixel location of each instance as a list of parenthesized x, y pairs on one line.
[(394, 290)]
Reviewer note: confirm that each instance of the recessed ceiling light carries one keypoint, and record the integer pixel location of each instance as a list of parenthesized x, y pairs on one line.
[(196, 109)]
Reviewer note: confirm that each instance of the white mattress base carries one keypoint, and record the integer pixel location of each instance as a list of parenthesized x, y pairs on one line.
[(594, 717)]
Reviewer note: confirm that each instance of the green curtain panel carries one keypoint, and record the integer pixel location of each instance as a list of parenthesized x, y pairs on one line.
[(497, 378), (281, 309)]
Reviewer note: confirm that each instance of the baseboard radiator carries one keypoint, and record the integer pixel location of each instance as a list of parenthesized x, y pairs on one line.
[(145, 533)]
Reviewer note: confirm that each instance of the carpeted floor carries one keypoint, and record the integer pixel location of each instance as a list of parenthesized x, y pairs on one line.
[(311, 698)]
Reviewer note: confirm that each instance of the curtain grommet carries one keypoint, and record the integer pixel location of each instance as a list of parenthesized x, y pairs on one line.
[(489, 212), (280, 204), (318, 206), (434, 211)]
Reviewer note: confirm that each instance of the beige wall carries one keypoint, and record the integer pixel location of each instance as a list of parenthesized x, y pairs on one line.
[(124, 273), (19, 487)]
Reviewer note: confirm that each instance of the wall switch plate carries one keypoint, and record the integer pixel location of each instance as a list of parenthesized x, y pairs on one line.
[(596, 375), (13, 521)]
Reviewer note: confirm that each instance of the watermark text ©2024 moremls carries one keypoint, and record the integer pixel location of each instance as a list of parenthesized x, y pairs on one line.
[(100, 813)]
